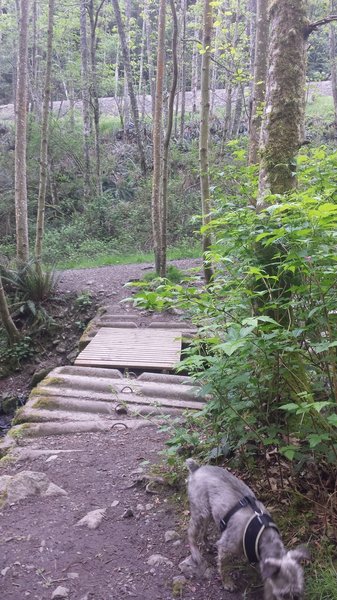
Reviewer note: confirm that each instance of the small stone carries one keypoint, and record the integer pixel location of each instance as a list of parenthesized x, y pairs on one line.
[(93, 519), (178, 584), (171, 535), (114, 503), (60, 592), (51, 458), (140, 507), (149, 506), (128, 513), (155, 560), (188, 567), (72, 575), (4, 571)]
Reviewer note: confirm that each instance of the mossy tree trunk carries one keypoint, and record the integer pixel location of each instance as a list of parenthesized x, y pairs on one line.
[(280, 142), (284, 109)]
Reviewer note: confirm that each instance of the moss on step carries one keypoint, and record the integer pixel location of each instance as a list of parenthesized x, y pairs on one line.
[(45, 403), (19, 432)]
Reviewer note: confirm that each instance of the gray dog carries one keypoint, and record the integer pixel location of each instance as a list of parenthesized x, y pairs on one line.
[(246, 528)]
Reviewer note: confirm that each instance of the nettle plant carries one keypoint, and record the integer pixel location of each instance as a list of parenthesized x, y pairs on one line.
[(268, 321)]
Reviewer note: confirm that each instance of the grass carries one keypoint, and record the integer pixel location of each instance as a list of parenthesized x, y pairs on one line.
[(108, 259), (321, 107), (322, 582)]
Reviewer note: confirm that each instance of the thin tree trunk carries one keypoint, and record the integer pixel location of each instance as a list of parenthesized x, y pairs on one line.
[(204, 134), (87, 175), (183, 68), (157, 137), (126, 99), (128, 71), (195, 72), (170, 112), (149, 54), (333, 60), (6, 319), (41, 202), (22, 243), (259, 82), (93, 17), (237, 112)]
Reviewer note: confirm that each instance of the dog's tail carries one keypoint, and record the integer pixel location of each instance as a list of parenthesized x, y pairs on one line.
[(192, 465)]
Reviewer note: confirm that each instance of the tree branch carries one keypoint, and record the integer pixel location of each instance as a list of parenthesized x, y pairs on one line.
[(312, 26)]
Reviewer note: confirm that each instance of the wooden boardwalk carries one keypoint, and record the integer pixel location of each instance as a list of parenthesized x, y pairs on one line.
[(133, 347)]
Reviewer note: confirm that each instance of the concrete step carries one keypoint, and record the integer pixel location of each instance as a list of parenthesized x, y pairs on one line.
[(75, 399)]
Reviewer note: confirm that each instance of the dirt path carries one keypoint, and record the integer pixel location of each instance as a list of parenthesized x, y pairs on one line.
[(42, 548), (136, 549)]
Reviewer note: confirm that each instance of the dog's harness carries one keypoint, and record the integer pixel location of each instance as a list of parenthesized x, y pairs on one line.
[(254, 528)]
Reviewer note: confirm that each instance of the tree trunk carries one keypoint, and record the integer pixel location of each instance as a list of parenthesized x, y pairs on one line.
[(87, 175), (204, 134), (22, 243), (183, 69), (195, 72), (157, 137), (333, 60), (284, 110), (41, 202), (149, 53), (170, 112), (6, 319), (128, 71), (237, 112), (259, 81), (281, 137), (93, 17)]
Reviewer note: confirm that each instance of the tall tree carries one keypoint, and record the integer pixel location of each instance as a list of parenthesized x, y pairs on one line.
[(85, 74), (22, 243), (284, 112), (281, 139), (259, 79), (333, 59), (204, 133), (41, 202), (167, 139), (157, 137), (128, 73), (93, 20)]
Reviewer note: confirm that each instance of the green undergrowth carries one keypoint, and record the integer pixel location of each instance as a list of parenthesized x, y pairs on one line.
[(108, 258)]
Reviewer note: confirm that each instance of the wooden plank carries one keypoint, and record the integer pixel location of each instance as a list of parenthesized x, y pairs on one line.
[(115, 347)]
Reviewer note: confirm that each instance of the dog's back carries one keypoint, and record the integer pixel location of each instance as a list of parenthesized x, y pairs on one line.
[(218, 479)]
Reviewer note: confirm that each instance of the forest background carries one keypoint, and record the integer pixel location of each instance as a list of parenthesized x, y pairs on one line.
[(128, 127)]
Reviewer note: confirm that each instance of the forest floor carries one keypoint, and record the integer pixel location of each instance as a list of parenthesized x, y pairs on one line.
[(136, 550)]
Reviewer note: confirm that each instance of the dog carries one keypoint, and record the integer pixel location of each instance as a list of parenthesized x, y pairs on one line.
[(246, 528)]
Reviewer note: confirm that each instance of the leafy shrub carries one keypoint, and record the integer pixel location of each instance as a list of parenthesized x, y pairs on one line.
[(268, 327)]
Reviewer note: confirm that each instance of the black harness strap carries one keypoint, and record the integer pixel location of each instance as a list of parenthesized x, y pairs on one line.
[(245, 501), (252, 534), (255, 526)]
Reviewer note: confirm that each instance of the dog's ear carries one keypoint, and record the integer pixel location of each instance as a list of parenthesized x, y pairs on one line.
[(299, 554), (270, 567)]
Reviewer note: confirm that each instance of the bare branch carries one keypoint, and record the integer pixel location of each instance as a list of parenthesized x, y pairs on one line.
[(312, 26)]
